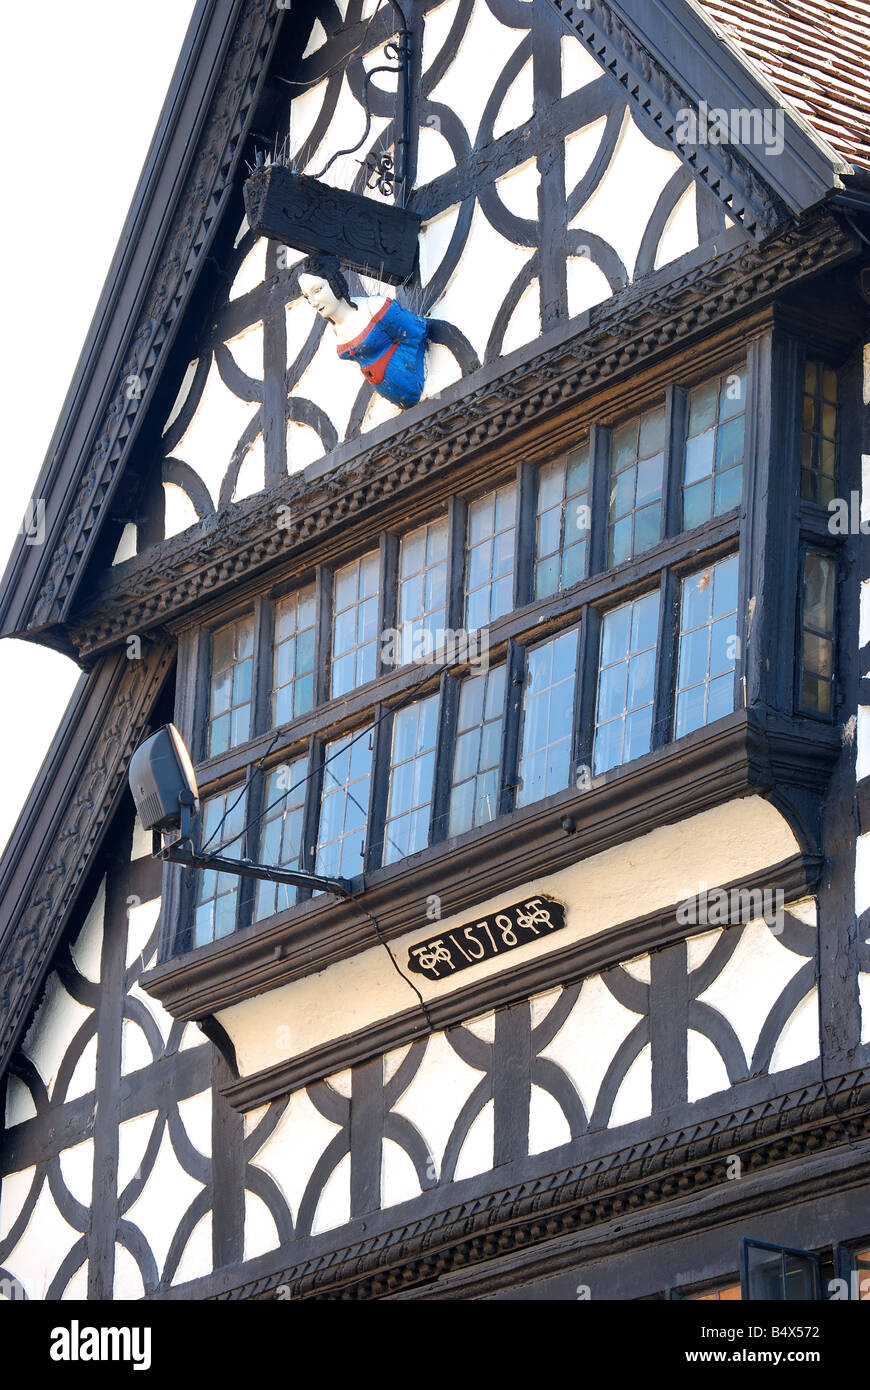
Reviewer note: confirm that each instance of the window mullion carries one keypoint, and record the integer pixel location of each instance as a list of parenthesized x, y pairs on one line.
[(676, 410), (457, 518), (378, 791), (313, 803), (389, 569), (524, 553), (666, 656), (599, 462), (586, 690), (261, 692), (516, 674), (323, 634), (447, 716)]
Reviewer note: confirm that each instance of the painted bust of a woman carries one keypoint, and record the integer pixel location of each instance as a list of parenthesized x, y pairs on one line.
[(386, 341)]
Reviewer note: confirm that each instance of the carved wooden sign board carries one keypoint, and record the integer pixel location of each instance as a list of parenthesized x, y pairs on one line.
[(448, 952), (374, 238)]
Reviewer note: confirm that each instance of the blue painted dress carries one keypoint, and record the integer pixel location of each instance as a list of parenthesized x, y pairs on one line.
[(390, 353)]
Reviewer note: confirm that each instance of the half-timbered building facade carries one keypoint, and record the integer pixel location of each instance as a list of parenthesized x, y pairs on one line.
[(562, 668)]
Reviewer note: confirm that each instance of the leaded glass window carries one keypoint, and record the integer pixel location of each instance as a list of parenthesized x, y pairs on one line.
[(423, 590), (412, 771), (477, 751), (637, 460), (217, 893), (344, 805), (293, 668), (548, 717), (817, 633), (626, 682), (232, 675), (489, 560), (708, 646), (281, 833), (355, 624), (819, 434), (715, 431), (562, 523)]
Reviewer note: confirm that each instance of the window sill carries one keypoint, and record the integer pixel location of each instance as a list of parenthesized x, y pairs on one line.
[(743, 754)]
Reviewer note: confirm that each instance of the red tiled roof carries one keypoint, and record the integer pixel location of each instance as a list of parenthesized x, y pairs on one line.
[(817, 53)]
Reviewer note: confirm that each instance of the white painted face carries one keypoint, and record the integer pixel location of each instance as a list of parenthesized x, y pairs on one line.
[(319, 294)]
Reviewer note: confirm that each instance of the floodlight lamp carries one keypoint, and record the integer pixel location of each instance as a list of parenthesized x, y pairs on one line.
[(163, 782)]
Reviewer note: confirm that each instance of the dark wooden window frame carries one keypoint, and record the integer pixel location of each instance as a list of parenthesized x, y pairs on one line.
[(772, 358)]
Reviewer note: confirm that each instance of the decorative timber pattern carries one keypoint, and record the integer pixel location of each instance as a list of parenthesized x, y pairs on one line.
[(109, 1097), (620, 338), (521, 163)]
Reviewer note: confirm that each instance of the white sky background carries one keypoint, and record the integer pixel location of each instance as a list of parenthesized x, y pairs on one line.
[(80, 99)]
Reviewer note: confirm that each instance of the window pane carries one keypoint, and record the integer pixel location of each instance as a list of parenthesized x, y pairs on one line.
[(354, 624), (636, 472), (281, 833), (548, 717), (817, 634), (489, 561), (222, 823), (232, 669), (712, 471), (422, 589), (412, 769), (562, 522), (293, 660), (344, 805), (626, 682), (819, 419), (708, 646)]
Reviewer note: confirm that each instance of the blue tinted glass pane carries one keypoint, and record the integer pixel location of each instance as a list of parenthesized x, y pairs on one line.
[(644, 622), (697, 595), (649, 479), (344, 632), (461, 808), (725, 587), (729, 489), (620, 541), (732, 397), (638, 728), (608, 746), (465, 755), (242, 682), (723, 644), (550, 531), (502, 597), (641, 673), (547, 577), (345, 582), (241, 725), (221, 692), (495, 692), (696, 505), (615, 633), (412, 552), (699, 456), (720, 698), (647, 528), (479, 564), (303, 695), (652, 432), (702, 407), (219, 735), (342, 674), (505, 508), (690, 710), (565, 655), (693, 656), (622, 493), (551, 486), (573, 564), (729, 446), (611, 692)]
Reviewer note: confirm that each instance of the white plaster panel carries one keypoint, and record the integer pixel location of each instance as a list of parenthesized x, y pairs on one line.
[(862, 873), (246, 349), (316, 39), (212, 435), (436, 1095), (434, 240), (333, 1209), (293, 1148), (524, 323), (589, 1038), (342, 1081), (330, 383), (253, 1117), (399, 1182), (378, 411), (141, 921), (483, 50), (862, 751), (133, 1136), (43, 1247), (261, 1233), (680, 233), (441, 369), (587, 285), (483, 1027), (19, 1102), (542, 1004), (179, 511), (250, 274), (707, 1073), (638, 969), (581, 147), (127, 1283), (195, 1114), (475, 291), (476, 1154), (184, 389), (56, 1024), (77, 1168), (635, 177), (799, 1040), (437, 25), (344, 130), (127, 545), (434, 155), (77, 1288), (864, 997), (548, 1127), (14, 1192), (634, 1097), (251, 476), (84, 1077), (746, 989), (135, 1048), (619, 885), (519, 102), (197, 1258), (579, 68), (164, 1199), (518, 190), (864, 613), (698, 948), (393, 1060)]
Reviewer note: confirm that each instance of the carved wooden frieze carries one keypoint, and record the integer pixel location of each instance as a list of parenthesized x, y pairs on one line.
[(376, 238)]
